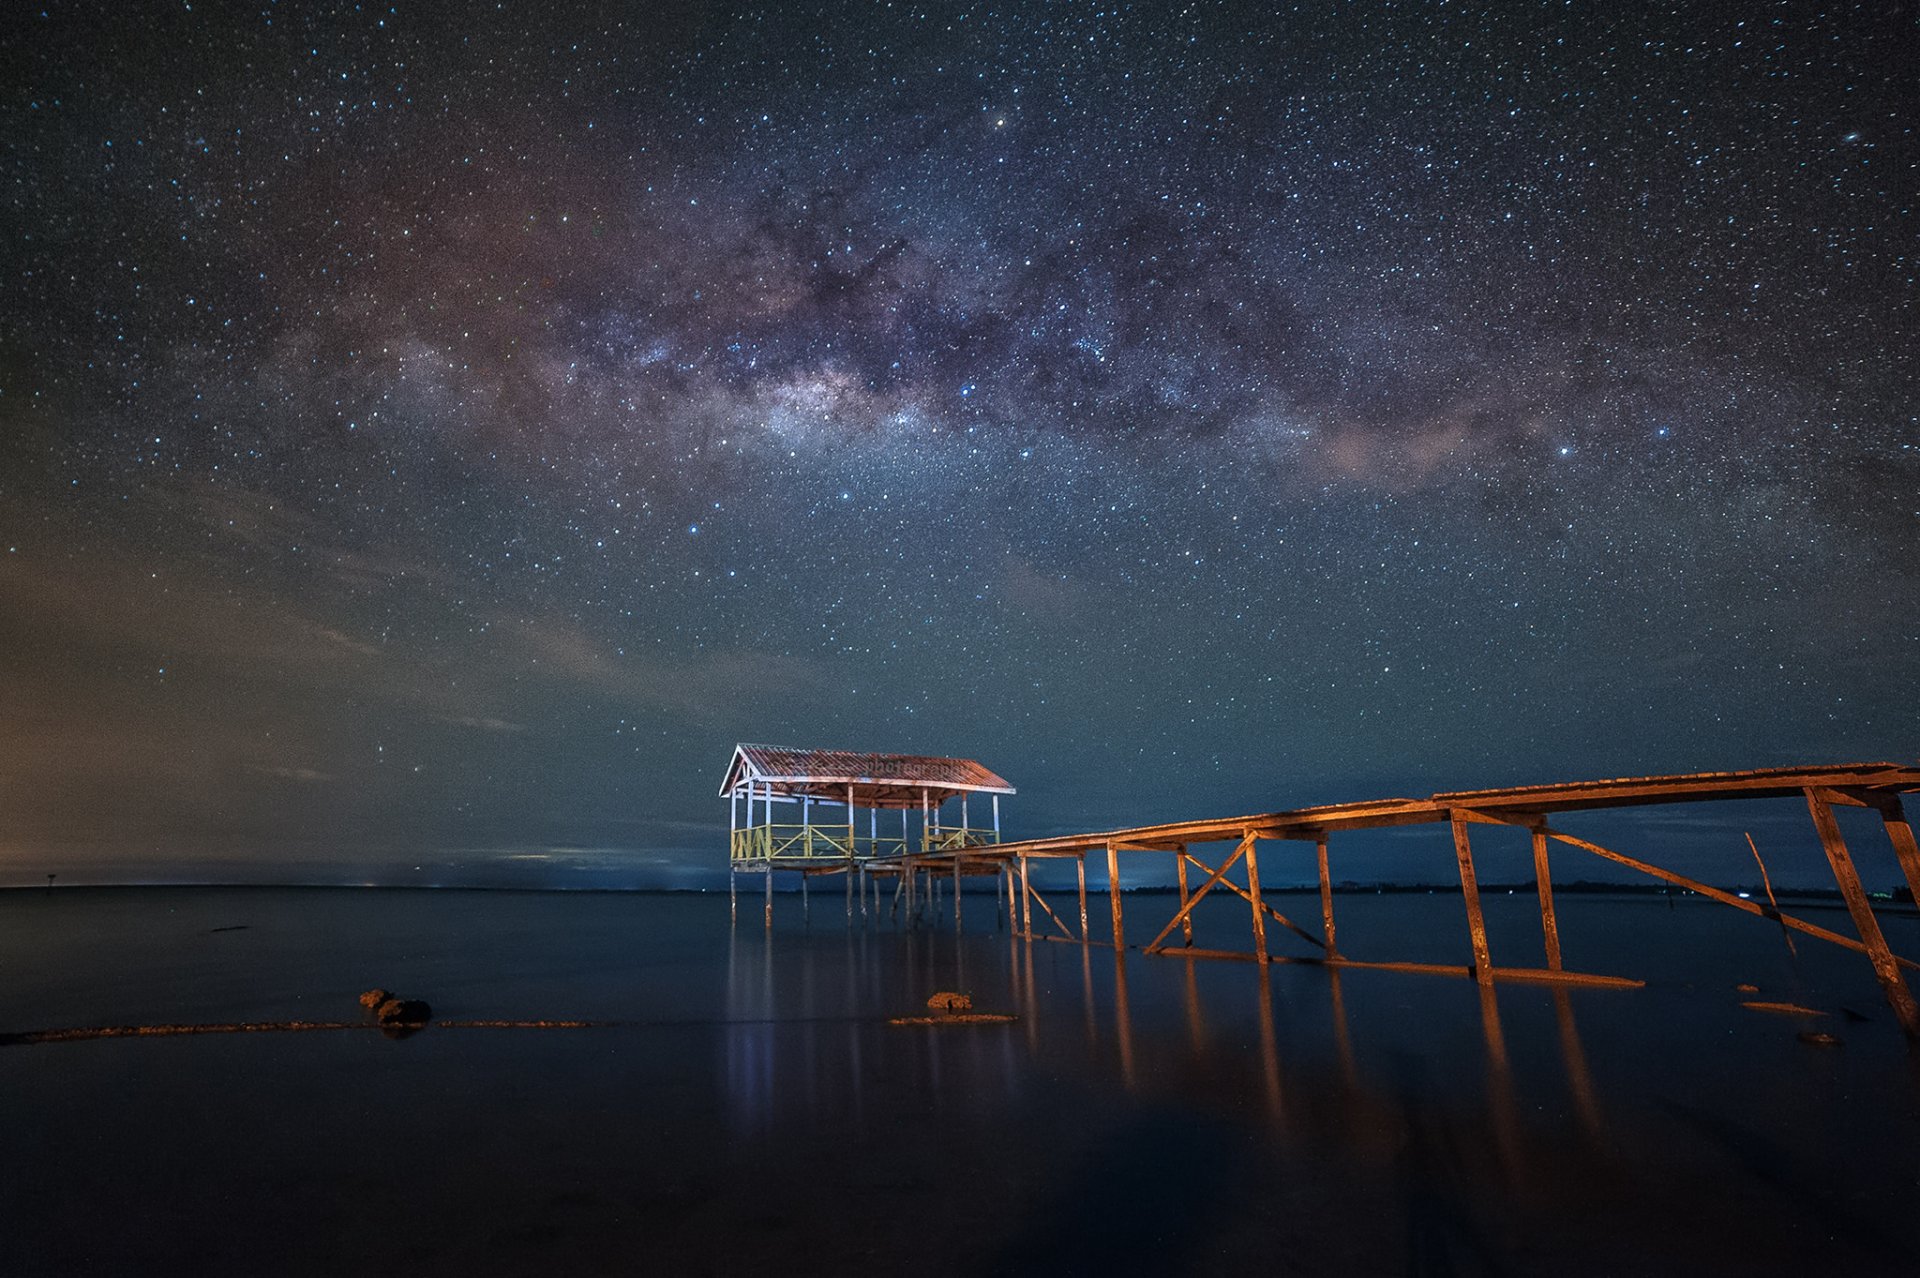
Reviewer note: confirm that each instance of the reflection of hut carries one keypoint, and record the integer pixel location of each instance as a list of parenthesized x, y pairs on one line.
[(820, 825)]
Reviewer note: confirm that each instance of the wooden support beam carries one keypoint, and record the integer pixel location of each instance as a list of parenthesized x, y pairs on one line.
[(1470, 889), (1026, 910), (1326, 896), (956, 892), (1900, 834), (1262, 904), (769, 896), (1714, 893), (1891, 981), (1113, 896), (1543, 882), (1046, 909), (1080, 872), (1186, 921), (1253, 897), (1186, 910)]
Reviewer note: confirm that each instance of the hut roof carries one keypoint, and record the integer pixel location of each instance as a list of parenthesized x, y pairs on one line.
[(878, 780)]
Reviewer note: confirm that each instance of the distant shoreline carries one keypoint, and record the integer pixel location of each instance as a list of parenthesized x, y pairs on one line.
[(1897, 895)]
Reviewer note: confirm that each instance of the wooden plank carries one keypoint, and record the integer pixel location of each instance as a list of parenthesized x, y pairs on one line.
[(1559, 976), (1326, 896), (1888, 972), (1714, 893), (1470, 889), (1512, 803), (1113, 895), (1543, 883)]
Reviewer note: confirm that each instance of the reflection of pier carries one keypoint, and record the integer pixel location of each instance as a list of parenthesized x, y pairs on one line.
[(1875, 787)]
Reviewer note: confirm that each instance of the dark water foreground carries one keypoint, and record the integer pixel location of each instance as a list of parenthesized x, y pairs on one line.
[(754, 1111)]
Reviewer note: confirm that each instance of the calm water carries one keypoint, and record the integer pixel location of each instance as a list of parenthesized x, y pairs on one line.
[(755, 1110)]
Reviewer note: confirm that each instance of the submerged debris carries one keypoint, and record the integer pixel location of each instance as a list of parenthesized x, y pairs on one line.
[(1784, 1009), (1815, 1038), (395, 1013), (953, 1009)]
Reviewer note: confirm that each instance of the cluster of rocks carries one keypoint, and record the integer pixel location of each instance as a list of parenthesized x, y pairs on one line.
[(390, 1010)]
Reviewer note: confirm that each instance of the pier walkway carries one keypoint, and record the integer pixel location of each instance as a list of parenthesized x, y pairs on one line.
[(1874, 786)]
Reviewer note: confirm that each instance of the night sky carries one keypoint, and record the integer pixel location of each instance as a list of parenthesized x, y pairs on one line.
[(431, 436)]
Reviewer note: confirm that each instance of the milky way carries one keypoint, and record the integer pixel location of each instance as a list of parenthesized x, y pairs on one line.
[(432, 438)]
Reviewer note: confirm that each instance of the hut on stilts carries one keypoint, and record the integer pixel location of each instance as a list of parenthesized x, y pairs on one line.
[(835, 811)]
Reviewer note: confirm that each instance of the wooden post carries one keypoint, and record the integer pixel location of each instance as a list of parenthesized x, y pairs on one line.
[(1253, 897), (849, 892), (1026, 906), (1470, 889), (1113, 895), (1900, 834), (1543, 880), (1186, 919), (956, 891), (806, 906), (1080, 871), (733, 895), (1326, 895), (1864, 922), (768, 891)]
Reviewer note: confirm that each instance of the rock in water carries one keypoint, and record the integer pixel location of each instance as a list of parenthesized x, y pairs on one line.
[(374, 998), (402, 1011), (948, 1001)]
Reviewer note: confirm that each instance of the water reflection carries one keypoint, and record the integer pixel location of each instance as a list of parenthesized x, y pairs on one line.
[(807, 1022)]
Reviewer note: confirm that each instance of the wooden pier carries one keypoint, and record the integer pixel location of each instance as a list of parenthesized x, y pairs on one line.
[(1877, 787)]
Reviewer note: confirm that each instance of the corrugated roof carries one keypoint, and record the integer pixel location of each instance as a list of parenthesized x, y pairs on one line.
[(852, 767)]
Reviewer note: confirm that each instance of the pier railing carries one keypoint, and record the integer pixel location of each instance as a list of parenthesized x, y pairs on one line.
[(826, 843)]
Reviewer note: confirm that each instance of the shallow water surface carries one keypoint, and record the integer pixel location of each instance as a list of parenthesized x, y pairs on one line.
[(749, 1103)]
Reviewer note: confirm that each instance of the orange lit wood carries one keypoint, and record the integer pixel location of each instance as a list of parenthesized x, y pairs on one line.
[(1186, 910), (1714, 893), (1864, 922), (1180, 867), (1252, 894), (1326, 897), (1262, 904), (1543, 883), (1046, 909), (1470, 890)]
